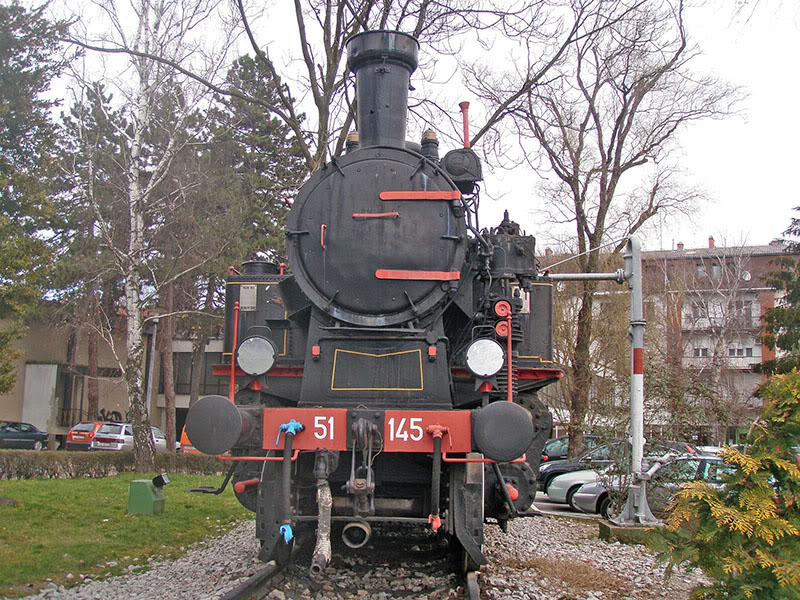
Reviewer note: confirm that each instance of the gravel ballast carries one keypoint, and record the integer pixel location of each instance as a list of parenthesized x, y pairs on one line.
[(540, 558)]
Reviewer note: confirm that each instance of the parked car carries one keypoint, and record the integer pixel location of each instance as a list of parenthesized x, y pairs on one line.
[(563, 487), (556, 449), (605, 455), (14, 434), (81, 435), (592, 497), (119, 436), (710, 450), (600, 457)]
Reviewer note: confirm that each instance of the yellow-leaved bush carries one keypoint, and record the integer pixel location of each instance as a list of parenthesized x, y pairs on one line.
[(746, 535)]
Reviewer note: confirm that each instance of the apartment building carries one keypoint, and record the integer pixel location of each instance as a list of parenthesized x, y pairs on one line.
[(704, 308)]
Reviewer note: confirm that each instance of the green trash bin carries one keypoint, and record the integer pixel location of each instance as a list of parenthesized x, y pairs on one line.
[(144, 498)]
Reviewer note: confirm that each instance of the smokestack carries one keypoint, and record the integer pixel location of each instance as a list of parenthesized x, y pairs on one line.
[(382, 62), (680, 245), (710, 242)]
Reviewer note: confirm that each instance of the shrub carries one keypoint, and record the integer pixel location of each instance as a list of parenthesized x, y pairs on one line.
[(29, 464), (747, 535)]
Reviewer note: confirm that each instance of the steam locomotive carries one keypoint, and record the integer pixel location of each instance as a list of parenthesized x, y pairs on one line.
[(392, 374)]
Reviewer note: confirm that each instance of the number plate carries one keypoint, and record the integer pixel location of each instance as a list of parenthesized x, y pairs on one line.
[(325, 428), (407, 430), (104, 444)]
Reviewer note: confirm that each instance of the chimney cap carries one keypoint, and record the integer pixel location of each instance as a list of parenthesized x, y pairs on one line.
[(379, 44), (429, 134)]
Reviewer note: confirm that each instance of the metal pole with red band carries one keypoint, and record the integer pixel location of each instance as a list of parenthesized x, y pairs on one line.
[(633, 274), (636, 509)]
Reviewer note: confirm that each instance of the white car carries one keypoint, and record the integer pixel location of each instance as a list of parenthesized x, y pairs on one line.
[(119, 436), (563, 487)]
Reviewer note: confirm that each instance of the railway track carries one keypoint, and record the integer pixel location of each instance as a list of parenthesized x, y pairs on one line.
[(396, 564)]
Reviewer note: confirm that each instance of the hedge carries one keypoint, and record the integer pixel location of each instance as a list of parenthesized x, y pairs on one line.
[(30, 464)]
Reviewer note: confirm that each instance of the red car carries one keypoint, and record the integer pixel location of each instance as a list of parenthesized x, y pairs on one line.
[(80, 437)]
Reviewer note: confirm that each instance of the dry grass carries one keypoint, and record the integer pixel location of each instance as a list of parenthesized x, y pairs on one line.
[(577, 576)]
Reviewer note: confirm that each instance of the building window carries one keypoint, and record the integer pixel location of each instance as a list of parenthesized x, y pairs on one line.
[(182, 366), (701, 352), (731, 351), (698, 310), (701, 269), (740, 352), (748, 352), (716, 271)]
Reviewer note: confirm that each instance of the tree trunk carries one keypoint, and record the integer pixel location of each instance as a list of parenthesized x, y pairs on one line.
[(143, 448), (165, 336), (93, 387), (198, 366), (581, 372), (199, 342)]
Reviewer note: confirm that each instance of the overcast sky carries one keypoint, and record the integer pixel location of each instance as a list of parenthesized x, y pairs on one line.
[(749, 164), (746, 163)]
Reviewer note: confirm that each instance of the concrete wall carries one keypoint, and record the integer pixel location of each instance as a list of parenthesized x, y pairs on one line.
[(41, 378)]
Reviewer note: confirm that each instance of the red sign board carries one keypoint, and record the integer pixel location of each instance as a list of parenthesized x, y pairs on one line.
[(407, 430), (325, 428)]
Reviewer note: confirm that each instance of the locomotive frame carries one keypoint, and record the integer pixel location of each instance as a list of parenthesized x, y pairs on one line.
[(391, 376)]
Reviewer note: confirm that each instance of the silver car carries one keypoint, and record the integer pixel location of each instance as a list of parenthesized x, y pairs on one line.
[(119, 436), (563, 487), (594, 498)]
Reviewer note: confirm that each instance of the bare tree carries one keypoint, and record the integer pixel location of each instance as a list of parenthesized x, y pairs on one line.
[(613, 105), (722, 316), (158, 107), (323, 28), (610, 369), (670, 388), (315, 96)]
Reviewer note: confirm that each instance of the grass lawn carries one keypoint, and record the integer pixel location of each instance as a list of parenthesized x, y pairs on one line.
[(78, 526)]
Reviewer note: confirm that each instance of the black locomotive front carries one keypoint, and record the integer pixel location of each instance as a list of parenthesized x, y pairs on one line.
[(392, 373)]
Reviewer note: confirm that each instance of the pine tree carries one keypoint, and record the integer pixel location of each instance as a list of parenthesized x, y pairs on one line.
[(782, 322), (261, 155), (29, 60), (746, 536), (89, 189)]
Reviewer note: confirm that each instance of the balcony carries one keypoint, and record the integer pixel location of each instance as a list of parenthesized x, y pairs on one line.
[(742, 323)]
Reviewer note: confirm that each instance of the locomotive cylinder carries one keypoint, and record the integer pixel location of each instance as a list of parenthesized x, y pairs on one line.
[(382, 62)]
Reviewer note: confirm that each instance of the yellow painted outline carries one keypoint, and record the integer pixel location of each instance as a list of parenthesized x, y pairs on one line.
[(539, 358), (392, 389)]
